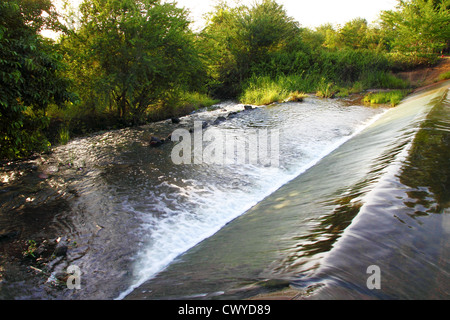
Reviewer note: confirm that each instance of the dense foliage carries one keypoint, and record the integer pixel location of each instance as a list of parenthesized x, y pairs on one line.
[(122, 62), (260, 51), (30, 76), (129, 55), (418, 29)]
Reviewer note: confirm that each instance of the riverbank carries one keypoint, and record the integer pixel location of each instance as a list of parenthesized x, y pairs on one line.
[(267, 90), (423, 77), (65, 125)]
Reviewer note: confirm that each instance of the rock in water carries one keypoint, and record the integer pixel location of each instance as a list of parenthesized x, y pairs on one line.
[(155, 142), (232, 115), (60, 250), (204, 126), (219, 120)]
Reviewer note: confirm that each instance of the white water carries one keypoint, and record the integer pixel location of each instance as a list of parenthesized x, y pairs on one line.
[(190, 207)]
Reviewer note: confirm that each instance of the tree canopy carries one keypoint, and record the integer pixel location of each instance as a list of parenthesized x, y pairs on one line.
[(419, 28), (133, 52), (30, 74), (242, 37), (125, 60)]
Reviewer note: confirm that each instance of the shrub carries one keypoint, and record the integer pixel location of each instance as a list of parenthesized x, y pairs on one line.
[(263, 90), (391, 97), (325, 89), (383, 80), (63, 135)]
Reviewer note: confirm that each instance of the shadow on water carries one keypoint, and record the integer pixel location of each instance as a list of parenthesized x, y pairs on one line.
[(427, 170)]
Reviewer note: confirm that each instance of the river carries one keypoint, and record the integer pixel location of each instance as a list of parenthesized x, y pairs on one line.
[(351, 187)]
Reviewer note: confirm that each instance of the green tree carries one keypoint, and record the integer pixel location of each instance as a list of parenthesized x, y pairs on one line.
[(418, 28), (353, 33), (245, 37), (30, 75), (134, 52)]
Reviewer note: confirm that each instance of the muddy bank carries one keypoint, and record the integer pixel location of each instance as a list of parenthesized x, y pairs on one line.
[(424, 77)]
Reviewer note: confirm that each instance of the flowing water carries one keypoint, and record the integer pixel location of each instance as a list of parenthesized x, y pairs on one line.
[(352, 187)]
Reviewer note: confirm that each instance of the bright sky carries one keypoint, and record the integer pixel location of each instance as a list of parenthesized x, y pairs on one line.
[(309, 13)]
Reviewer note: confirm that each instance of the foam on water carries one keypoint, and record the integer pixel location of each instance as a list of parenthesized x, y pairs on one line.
[(194, 209)]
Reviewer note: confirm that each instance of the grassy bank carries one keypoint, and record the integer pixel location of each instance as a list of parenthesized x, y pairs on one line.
[(392, 98), (263, 90)]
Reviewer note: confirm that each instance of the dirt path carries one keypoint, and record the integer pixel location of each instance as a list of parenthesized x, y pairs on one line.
[(426, 76)]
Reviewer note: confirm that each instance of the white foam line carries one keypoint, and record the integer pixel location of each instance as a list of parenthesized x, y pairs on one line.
[(204, 230)]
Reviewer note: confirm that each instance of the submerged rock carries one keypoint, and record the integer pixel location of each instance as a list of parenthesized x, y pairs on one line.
[(155, 142), (43, 175), (232, 115), (175, 120), (60, 250), (219, 120), (62, 276)]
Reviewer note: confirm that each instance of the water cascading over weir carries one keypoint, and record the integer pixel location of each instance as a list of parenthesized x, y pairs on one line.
[(356, 206)]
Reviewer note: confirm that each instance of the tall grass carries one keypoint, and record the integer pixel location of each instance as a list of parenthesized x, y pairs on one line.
[(196, 100), (327, 73), (263, 90), (391, 97), (63, 135), (325, 89), (382, 80)]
